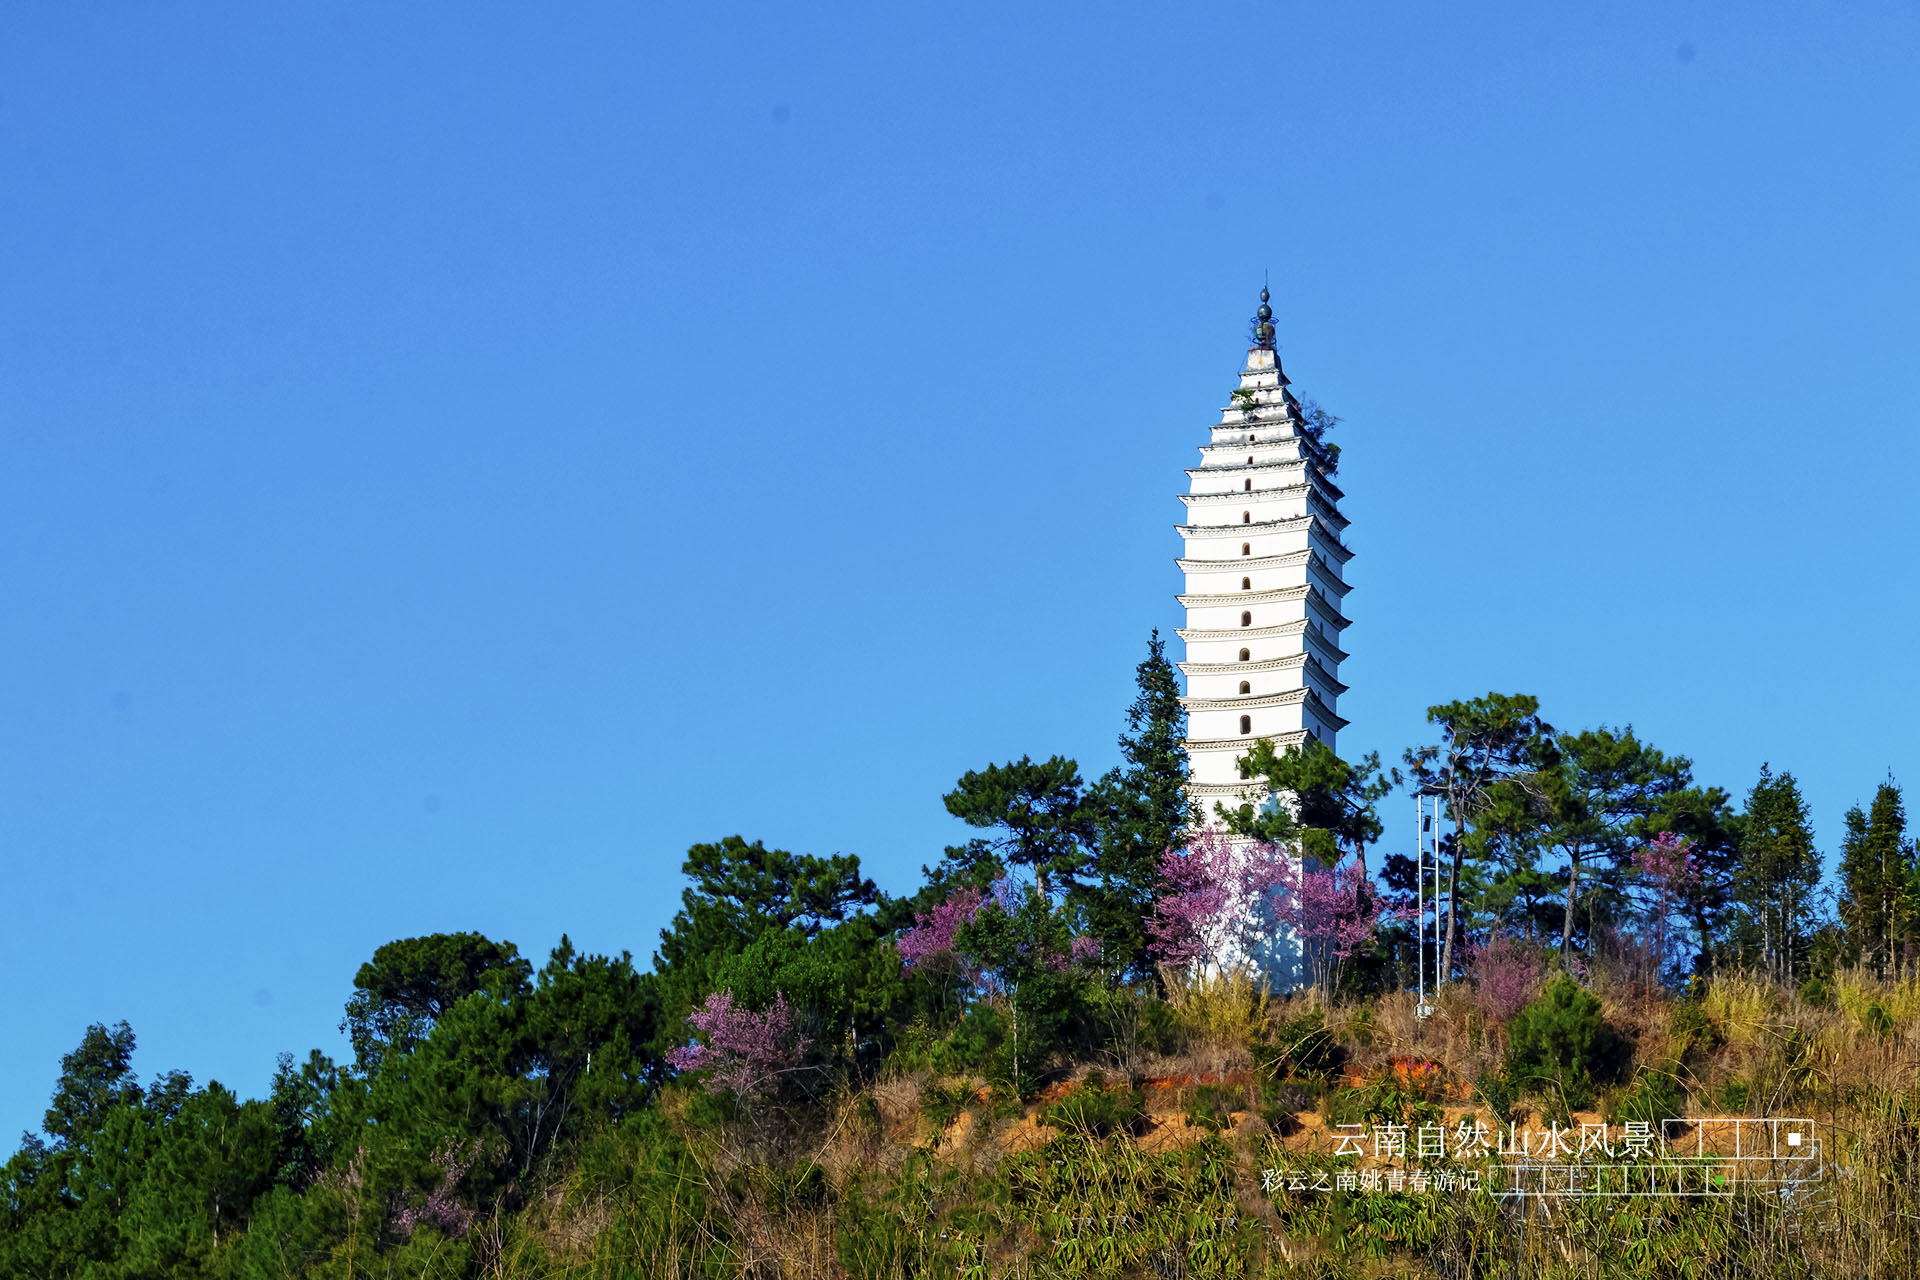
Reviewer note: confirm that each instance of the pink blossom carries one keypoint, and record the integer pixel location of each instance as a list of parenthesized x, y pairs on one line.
[(1665, 871), (745, 1052), (1507, 974), (440, 1209), (1082, 949), (1216, 899), (933, 932), (1337, 909)]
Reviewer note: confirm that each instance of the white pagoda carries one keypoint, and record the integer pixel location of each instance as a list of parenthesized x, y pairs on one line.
[(1264, 579)]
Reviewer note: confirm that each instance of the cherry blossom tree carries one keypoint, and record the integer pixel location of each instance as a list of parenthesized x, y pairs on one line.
[(1335, 911), (1217, 900), (1665, 876), (745, 1053), (441, 1209)]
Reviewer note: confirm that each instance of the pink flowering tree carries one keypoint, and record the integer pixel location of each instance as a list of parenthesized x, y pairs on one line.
[(935, 947), (1665, 876), (1216, 901), (1335, 911), (442, 1209), (745, 1053), (930, 949), (1507, 974), (1219, 901)]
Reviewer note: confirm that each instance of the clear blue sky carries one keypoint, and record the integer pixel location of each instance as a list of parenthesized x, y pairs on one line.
[(452, 459)]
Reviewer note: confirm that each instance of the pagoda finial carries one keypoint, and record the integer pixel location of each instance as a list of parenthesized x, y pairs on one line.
[(1263, 322)]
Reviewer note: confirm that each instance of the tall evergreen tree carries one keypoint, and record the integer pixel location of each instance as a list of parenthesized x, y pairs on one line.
[(1323, 805), (1139, 812), (1609, 788), (1877, 907), (1492, 763), (1779, 872), (1041, 811)]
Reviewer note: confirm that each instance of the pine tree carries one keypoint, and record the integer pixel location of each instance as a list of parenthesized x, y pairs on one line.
[(1861, 906), (1141, 812), (1494, 762), (1779, 872), (1877, 903)]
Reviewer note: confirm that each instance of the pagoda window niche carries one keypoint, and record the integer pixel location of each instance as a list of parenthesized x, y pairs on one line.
[(1246, 686), (1246, 724), (1246, 517), (1246, 584), (1246, 619), (1247, 484), (1246, 655), (1246, 548)]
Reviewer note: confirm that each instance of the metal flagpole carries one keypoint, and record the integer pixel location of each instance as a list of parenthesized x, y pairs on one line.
[(1420, 874), (1420, 887)]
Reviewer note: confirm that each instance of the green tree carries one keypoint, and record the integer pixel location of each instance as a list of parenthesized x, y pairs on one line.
[(1023, 948), (411, 983), (1323, 805), (1779, 872), (138, 1182), (95, 1078), (1877, 880), (1704, 817), (1045, 820), (846, 983), (740, 891), (508, 1075), (1604, 802), (298, 1098), (1139, 809), (1492, 769)]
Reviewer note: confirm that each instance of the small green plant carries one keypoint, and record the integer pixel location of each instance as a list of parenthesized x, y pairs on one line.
[(1653, 1096), (1877, 1020), (1213, 1105), (1816, 992), (942, 1104), (1305, 1047), (1497, 1092), (1096, 1112), (1694, 1033)]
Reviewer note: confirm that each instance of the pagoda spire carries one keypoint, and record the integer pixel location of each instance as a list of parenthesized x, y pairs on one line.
[(1263, 338), (1263, 322)]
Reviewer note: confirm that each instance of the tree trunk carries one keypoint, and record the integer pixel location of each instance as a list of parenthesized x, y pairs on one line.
[(1453, 881), (1566, 925)]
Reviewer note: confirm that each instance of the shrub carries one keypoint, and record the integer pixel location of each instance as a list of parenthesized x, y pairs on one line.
[(1506, 976), (1561, 1038), (1497, 1092), (979, 1035), (1654, 1096), (1213, 1105), (941, 1104), (1304, 1046), (1096, 1112), (1224, 1013), (1694, 1033), (1741, 1007), (1816, 992)]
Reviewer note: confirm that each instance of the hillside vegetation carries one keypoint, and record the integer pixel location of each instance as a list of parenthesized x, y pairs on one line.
[(1047, 1060)]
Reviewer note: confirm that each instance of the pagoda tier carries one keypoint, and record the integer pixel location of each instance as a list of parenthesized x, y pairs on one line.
[(1265, 579)]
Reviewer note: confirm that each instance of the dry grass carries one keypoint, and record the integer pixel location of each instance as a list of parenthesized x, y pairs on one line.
[(1222, 1014)]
